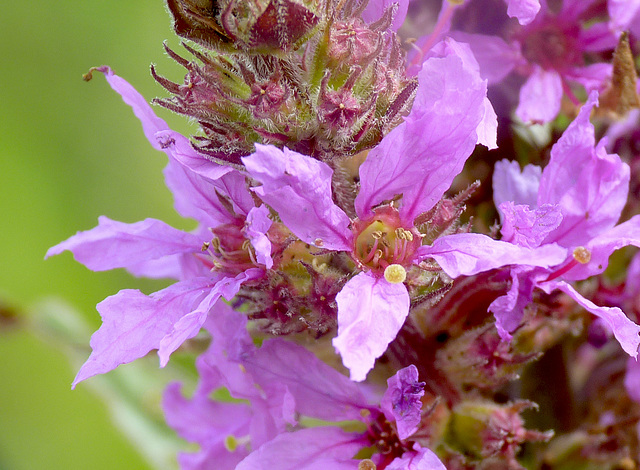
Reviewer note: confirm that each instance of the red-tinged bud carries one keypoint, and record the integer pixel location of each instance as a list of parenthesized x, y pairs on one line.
[(255, 26), (487, 430), (352, 41)]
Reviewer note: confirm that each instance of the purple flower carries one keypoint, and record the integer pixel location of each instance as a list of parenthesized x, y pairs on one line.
[(418, 160), (228, 249), (579, 198), (550, 52), (281, 383)]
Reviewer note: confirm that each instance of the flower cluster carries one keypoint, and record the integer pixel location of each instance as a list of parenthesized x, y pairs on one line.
[(330, 180)]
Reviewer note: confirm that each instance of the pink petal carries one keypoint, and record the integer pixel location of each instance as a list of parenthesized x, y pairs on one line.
[(401, 401), (178, 148), (420, 458), (540, 97), (495, 57), (590, 185), (318, 390), (515, 185), (370, 313), (258, 223), (189, 325), (157, 131), (133, 324), (298, 188), (509, 308), (524, 10), (420, 157), (626, 332), (151, 124), (602, 246), (319, 448), (114, 244), (472, 253), (525, 227), (198, 197)]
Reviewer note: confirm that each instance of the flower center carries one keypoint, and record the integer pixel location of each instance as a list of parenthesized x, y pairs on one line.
[(383, 245), (229, 250), (551, 46)]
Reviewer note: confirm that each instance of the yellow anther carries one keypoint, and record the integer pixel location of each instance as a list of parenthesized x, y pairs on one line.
[(341, 106), (582, 255), (395, 273), (377, 235), (231, 443), (366, 464), (400, 233), (205, 246), (408, 235)]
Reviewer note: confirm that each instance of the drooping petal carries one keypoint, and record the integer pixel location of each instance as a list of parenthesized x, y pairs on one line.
[(257, 225), (472, 253), (515, 185), (602, 246), (298, 188), (370, 313), (375, 9), (115, 244), (318, 448), (420, 157), (401, 401), (524, 10), (133, 323), (626, 332), (420, 459), (319, 390), (189, 325), (526, 227), (590, 185), (540, 97)]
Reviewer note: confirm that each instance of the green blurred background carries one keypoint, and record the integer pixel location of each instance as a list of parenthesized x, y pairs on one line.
[(69, 152)]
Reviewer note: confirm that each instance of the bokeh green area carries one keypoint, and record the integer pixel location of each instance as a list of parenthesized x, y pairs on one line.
[(70, 151)]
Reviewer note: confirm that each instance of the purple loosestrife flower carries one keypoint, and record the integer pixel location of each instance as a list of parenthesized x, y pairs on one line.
[(417, 160), (228, 249), (283, 385), (574, 202), (550, 52)]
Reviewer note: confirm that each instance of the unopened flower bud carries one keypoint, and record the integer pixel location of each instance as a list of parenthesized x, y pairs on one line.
[(253, 26)]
